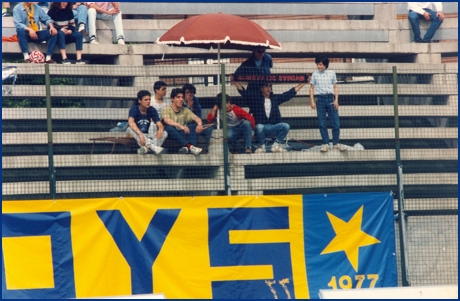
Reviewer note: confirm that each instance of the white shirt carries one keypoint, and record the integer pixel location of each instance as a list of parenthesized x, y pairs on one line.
[(160, 106), (268, 107), (419, 6)]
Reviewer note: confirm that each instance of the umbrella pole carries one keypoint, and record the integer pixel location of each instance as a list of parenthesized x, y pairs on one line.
[(227, 183), (218, 61), (218, 78)]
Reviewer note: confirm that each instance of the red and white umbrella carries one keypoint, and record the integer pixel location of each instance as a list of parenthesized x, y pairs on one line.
[(219, 31)]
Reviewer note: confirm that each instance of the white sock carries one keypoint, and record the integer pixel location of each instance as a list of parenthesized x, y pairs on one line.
[(48, 57), (26, 55)]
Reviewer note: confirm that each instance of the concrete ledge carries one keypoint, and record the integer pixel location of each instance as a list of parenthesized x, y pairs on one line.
[(303, 134), (191, 70), (197, 8), (428, 204), (236, 160), (90, 92), (113, 186), (299, 30), (289, 49), (343, 181), (161, 26), (86, 186), (287, 111)]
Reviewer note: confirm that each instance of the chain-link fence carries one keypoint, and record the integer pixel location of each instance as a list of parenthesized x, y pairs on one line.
[(71, 142)]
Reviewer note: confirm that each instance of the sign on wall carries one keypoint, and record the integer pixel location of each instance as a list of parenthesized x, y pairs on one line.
[(242, 247)]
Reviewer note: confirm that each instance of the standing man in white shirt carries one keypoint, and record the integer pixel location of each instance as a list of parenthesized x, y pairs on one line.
[(430, 11)]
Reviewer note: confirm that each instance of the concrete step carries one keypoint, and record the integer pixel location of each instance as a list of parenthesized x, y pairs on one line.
[(302, 134), (88, 160), (90, 186), (196, 68), (116, 92), (287, 111)]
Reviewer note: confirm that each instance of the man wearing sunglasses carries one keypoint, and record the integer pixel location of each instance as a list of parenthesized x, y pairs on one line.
[(258, 64)]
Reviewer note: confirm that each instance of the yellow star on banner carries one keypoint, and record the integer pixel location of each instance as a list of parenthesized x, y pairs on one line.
[(349, 237)]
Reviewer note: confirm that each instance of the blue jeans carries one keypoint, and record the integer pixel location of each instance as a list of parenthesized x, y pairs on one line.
[(81, 14), (43, 35), (414, 22), (182, 138), (325, 104), (278, 131), (243, 130), (76, 37)]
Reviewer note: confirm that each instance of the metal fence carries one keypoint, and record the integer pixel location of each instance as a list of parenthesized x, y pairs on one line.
[(63, 137)]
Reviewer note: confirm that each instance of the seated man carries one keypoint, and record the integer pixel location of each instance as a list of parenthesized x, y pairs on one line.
[(430, 11), (266, 112), (190, 100), (27, 17), (239, 122), (142, 119), (179, 124), (102, 11), (192, 103), (159, 100)]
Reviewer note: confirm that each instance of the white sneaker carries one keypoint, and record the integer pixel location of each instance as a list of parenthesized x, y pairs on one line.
[(324, 148), (93, 41), (340, 147), (81, 28), (260, 149), (183, 150), (121, 42), (155, 149), (142, 150), (277, 148), (195, 150)]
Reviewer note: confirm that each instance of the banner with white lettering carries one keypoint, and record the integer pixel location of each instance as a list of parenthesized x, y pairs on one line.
[(236, 247)]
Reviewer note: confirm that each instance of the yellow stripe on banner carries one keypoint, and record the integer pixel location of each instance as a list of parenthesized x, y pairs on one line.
[(259, 236), (248, 272)]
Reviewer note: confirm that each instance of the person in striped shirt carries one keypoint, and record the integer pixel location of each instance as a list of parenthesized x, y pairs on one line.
[(63, 19)]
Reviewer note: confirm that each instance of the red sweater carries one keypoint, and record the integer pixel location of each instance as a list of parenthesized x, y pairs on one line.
[(234, 115)]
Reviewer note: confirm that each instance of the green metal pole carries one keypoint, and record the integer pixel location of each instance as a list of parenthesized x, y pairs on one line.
[(224, 133), (401, 215), (51, 171)]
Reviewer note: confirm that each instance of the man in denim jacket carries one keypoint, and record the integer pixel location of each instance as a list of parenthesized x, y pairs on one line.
[(27, 17)]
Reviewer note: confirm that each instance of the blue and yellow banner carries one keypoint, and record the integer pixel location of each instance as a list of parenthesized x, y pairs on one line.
[(239, 247)]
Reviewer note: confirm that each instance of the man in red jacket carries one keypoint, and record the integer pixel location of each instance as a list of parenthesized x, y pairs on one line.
[(239, 122)]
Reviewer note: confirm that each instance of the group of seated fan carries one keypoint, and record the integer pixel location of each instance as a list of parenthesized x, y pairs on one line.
[(151, 121), (66, 23)]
